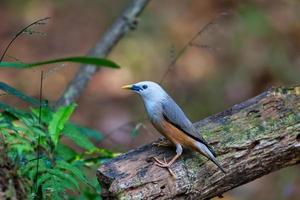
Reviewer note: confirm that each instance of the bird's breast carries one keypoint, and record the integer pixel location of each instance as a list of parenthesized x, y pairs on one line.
[(154, 111)]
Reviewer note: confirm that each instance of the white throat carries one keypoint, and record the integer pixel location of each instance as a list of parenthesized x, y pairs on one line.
[(153, 104)]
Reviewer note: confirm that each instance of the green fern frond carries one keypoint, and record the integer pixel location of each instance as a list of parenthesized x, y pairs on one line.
[(63, 176), (74, 134), (58, 121), (74, 170), (65, 152), (52, 189)]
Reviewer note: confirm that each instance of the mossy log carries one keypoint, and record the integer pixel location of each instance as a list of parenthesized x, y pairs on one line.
[(251, 139)]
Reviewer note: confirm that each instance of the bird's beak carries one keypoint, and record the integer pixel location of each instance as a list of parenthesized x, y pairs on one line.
[(128, 87)]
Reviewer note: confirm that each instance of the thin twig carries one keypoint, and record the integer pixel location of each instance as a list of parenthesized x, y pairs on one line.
[(189, 43), (3, 94), (15, 59), (34, 159), (37, 22), (54, 70), (39, 137)]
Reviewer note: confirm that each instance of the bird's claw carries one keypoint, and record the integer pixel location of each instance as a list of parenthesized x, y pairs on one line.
[(164, 164), (161, 163)]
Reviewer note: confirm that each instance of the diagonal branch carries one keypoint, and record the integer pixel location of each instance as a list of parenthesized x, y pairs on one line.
[(126, 21), (252, 139)]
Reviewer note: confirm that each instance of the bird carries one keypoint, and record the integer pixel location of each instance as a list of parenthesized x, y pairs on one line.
[(169, 119)]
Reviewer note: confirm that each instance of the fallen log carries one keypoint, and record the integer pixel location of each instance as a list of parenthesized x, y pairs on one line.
[(251, 139)]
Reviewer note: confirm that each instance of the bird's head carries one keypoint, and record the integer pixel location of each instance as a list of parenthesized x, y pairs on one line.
[(148, 90)]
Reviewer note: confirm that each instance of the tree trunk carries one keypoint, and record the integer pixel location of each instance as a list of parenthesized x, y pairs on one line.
[(251, 139)]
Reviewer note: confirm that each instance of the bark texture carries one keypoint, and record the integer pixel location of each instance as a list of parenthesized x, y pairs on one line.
[(251, 139)]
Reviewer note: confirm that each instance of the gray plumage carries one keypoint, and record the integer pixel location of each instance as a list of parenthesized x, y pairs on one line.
[(162, 110), (173, 113)]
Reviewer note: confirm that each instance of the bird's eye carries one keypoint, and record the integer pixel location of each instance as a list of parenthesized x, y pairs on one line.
[(144, 87)]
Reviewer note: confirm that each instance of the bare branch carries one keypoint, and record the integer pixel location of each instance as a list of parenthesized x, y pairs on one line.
[(126, 21)]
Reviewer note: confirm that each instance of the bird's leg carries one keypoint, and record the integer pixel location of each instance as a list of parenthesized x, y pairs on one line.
[(166, 164), (162, 143)]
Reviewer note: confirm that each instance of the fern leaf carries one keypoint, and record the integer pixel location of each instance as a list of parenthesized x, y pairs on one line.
[(68, 180), (58, 121), (46, 113), (74, 170), (10, 90), (30, 168), (88, 132), (65, 152), (73, 133), (52, 189), (43, 178)]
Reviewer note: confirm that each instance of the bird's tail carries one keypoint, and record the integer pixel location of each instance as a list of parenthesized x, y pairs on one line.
[(205, 150)]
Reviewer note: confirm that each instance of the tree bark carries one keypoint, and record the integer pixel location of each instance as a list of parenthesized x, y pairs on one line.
[(251, 139), (127, 21)]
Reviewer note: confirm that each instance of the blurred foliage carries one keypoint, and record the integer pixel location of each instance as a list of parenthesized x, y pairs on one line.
[(59, 168), (31, 141)]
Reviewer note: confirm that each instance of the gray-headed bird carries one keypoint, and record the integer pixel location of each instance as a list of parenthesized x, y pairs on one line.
[(168, 118)]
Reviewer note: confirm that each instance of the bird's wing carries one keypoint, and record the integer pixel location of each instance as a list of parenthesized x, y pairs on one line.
[(174, 115)]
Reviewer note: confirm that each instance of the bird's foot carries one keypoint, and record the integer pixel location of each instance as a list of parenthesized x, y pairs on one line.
[(164, 164), (162, 143)]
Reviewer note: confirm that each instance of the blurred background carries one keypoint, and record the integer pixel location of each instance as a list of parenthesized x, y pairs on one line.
[(254, 46)]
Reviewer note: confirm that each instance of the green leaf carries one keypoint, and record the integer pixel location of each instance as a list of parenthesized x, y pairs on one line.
[(65, 152), (43, 178), (88, 132), (64, 177), (74, 134), (10, 90), (102, 153), (81, 59), (30, 168), (8, 117), (93, 194), (58, 121), (71, 168), (52, 189), (46, 114), (15, 112)]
